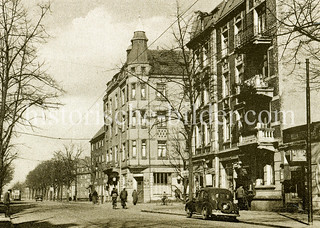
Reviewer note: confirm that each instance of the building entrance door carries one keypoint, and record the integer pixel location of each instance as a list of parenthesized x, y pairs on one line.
[(140, 189)]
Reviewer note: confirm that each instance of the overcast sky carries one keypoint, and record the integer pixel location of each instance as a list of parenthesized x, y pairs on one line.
[(89, 38)]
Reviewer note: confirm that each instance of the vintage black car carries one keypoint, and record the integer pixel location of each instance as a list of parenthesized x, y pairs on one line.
[(39, 197), (213, 202)]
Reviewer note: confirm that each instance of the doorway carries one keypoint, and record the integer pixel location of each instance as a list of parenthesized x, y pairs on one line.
[(140, 189)]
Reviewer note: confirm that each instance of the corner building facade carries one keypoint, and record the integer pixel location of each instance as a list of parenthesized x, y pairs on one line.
[(137, 133)]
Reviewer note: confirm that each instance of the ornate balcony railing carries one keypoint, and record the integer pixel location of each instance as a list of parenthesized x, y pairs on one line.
[(253, 34), (263, 135)]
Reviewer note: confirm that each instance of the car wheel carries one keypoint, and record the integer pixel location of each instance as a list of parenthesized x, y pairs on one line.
[(205, 213), (189, 213)]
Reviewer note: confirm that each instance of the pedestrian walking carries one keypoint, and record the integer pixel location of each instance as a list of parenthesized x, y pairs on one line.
[(114, 196), (6, 202), (123, 197), (135, 197), (95, 197)]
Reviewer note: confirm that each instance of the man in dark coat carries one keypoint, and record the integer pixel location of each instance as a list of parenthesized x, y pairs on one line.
[(6, 202), (94, 197), (123, 197), (135, 197), (114, 196)]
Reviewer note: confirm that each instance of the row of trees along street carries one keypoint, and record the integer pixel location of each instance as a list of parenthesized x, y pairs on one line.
[(59, 172), (25, 85)]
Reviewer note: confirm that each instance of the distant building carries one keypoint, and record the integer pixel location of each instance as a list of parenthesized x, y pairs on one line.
[(83, 179), (98, 162)]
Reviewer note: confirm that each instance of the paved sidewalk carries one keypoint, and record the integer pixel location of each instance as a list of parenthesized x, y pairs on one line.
[(4, 221), (262, 218)]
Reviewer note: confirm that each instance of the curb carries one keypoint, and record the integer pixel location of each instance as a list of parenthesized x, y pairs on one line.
[(163, 212)]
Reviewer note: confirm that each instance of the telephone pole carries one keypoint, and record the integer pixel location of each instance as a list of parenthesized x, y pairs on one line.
[(309, 167)]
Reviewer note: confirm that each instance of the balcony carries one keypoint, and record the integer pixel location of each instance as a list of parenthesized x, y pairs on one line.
[(252, 36), (255, 86), (263, 137)]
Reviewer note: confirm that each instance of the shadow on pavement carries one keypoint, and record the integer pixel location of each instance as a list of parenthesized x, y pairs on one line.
[(263, 224), (295, 219), (42, 224), (17, 207)]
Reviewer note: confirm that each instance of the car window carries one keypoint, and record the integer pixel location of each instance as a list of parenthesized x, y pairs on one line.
[(223, 196)]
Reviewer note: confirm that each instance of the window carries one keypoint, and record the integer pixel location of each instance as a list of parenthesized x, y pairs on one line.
[(143, 148), (161, 178), (116, 101), (134, 148), (260, 20), (162, 149), (123, 123), (225, 85), (205, 95), (123, 95), (116, 154), (143, 90), (238, 30), (143, 70), (198, 136), (161, 117), (143, 118), (123, 152), (110, 102), (271, 63), (134, 119), (226, 128), (133, 91), (206, 134), (161, 91), (224, 41)]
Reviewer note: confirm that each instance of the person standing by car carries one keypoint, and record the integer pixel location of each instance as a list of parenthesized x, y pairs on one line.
[(135, 197), (123, 197), (6, 202), (240, 193), (114, 196)]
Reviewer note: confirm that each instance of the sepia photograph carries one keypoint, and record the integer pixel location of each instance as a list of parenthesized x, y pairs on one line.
[(159, 113)]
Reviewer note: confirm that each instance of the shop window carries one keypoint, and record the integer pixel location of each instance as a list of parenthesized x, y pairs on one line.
[(161, 178)]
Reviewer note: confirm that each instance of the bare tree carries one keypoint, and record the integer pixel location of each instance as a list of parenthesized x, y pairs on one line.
[(24, 83), (298, 33), (69, 159)]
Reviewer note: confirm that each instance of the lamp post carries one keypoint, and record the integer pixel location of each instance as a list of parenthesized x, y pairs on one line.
[(309, 168)]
